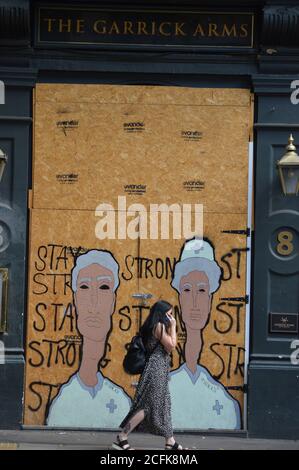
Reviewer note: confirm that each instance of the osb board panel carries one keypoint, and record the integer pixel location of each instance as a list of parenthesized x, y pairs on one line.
[(150, 271), (223, 349), (75, 93), (191, 148), (53, 341)]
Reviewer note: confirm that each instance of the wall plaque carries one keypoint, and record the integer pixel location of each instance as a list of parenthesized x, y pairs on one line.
[(283, 322)]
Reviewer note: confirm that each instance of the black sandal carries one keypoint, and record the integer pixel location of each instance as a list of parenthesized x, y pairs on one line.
[(121, 445), (175, 446)]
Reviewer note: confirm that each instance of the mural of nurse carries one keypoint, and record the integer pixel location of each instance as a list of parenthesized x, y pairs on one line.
[(196, 278), (89, 399)]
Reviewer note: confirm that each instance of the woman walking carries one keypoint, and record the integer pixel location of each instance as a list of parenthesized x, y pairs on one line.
[(151, 408)]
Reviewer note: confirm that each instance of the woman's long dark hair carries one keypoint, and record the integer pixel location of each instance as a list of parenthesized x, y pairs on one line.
[(157, 315)]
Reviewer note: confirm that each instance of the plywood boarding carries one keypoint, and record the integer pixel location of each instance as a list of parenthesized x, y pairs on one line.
[(53, 341), (146, 143), (223, 346), (193, 149), (111, 94)]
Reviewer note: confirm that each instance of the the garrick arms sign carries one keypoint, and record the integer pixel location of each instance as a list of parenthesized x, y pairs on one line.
[(97, 27)]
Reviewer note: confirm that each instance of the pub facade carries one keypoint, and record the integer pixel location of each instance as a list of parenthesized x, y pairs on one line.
[(149, 152)]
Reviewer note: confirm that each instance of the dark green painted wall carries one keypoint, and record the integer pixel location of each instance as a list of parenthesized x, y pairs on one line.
[(273, 379)]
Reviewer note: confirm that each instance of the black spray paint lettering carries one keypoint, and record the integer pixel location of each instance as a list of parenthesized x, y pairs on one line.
[(235, 363), (55, 283), (41, 390), (55, 354), (51, 353), (48, 253), (68, 353), (41, 325), (232, 313), (105, 359), (148, 268), (55, 317), (125, 322), (163, 268), (140, 314), (51, 258), (232, 262)]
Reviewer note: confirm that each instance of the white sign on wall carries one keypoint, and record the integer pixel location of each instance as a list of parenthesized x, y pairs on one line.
[(2, 92)]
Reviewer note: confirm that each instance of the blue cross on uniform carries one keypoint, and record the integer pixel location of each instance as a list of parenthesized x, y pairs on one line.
[(111, 405), (217, 407)]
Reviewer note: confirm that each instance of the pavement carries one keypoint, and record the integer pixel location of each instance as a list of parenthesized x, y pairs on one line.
[(41, 439)]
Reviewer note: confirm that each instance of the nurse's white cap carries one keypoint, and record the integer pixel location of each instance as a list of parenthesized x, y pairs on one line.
[(197, 255), (198, 248)]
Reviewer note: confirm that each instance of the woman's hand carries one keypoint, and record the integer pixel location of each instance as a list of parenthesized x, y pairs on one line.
[(171, 319), (168, 339)]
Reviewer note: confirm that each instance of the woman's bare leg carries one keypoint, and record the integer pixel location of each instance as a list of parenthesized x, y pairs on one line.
[(134, 421), (170, 440)]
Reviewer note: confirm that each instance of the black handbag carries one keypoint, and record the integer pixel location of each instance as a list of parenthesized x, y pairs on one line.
[(135, 358)]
